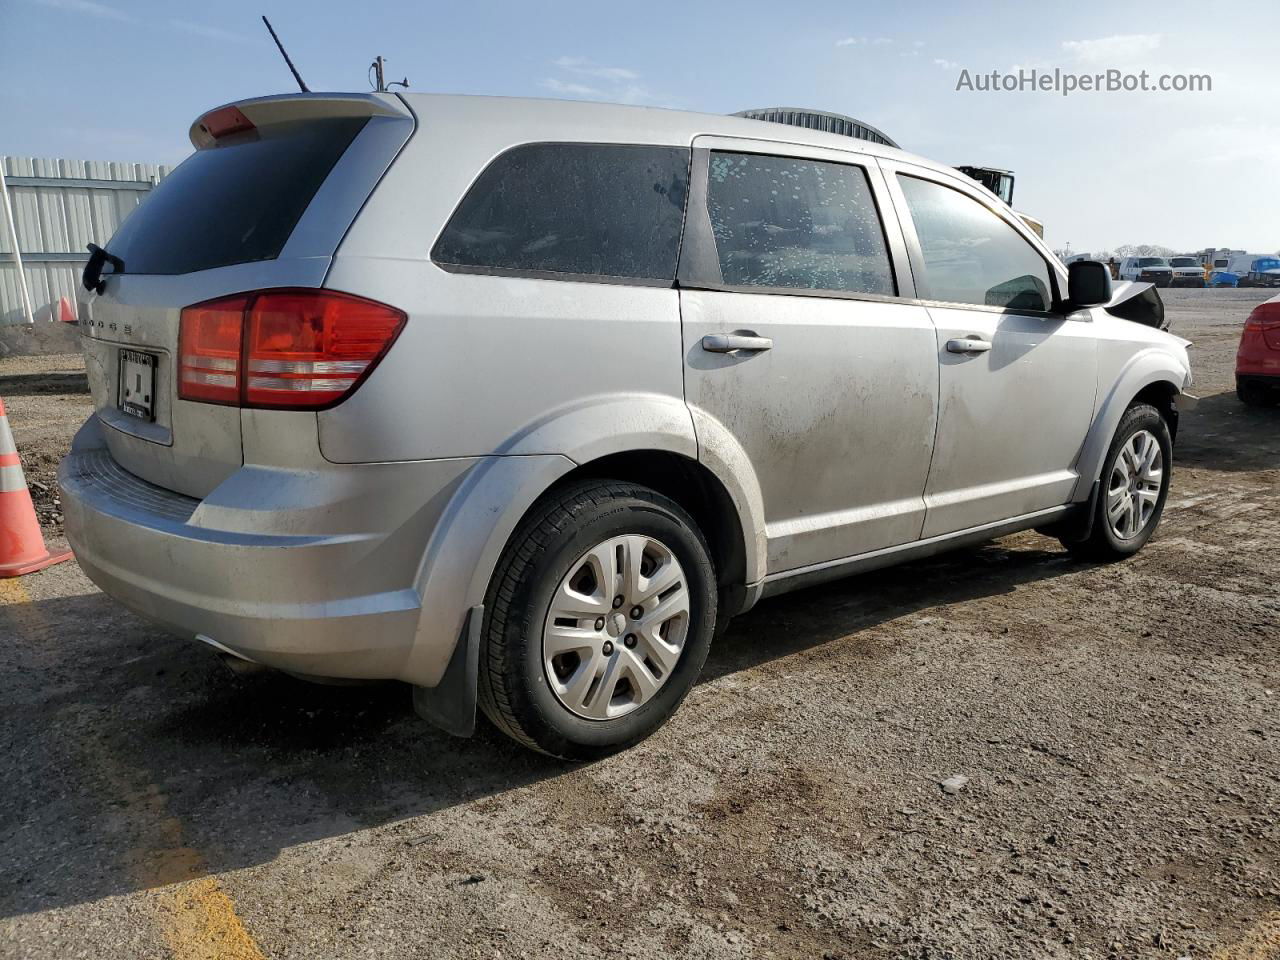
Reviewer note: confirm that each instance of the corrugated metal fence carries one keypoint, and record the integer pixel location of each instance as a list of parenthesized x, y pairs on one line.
[(59, 206)]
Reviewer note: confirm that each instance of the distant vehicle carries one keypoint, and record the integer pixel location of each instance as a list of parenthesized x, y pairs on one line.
[(1000, 182), (1262, 272), (1187, 272), (1147, 270), (1236, 261), (1258, 359)]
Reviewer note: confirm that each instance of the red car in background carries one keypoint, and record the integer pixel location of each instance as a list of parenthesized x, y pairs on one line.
[(1258, 359)]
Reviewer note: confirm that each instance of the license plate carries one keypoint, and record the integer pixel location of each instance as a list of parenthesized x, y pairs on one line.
[(138, 384)]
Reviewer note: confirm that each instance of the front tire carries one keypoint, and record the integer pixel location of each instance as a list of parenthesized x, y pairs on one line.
[(599, 618), (1133, 487)]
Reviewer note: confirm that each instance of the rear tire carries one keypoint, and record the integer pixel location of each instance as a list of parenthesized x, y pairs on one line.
[(582, 687), (1133, 486), (1254, 394)]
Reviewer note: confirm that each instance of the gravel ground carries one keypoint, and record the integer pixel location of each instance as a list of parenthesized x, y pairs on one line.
[(1117, 726)]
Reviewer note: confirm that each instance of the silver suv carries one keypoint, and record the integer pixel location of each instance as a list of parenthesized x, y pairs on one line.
[(517, 401)]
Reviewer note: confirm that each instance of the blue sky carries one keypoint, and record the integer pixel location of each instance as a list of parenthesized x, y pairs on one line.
[(123, 79)]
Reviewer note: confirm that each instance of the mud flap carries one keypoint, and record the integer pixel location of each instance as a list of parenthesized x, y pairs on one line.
[(1079, 526), (451, 704)]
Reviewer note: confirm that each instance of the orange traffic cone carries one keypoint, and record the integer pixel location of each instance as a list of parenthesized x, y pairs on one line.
[(22, 548), (65, 313)]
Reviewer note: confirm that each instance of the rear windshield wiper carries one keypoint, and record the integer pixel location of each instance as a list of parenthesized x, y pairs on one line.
[(92, 277)]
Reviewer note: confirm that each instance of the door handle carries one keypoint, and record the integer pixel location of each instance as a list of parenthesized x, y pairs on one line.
[(968, 345), (729, 342)]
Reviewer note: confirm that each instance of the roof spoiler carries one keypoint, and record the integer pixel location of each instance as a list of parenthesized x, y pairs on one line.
[(243, 116)]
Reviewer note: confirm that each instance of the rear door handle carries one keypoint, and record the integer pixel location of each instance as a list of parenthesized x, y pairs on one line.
[(968, 345), (729, 342)]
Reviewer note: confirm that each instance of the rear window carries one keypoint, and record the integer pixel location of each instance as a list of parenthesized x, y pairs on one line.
[(582, 210), (235, 203), (796, 224)]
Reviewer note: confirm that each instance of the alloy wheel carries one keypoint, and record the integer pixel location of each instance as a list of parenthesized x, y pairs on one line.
[(1133, 489)]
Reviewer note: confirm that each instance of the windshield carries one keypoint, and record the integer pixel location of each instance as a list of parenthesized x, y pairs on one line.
[(1184, 262), (1152, 262)]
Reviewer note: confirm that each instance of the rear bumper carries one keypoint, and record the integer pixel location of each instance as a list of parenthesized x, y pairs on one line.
[(1271, 381), (310, 571), (1256, 360)]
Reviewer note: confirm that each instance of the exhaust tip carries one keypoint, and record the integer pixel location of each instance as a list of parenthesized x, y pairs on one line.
[(235, 662), (240, 666)]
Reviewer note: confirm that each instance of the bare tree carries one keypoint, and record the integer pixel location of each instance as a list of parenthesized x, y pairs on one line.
[(1144, 250)]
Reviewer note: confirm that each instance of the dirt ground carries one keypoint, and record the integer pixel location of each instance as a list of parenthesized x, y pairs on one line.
[(1118, 726)]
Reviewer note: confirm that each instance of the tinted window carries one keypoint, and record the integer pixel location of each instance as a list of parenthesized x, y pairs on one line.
[(970, 254), (1152, 262), (1184, 262), (587, 209), (781, 222), (234, 203)]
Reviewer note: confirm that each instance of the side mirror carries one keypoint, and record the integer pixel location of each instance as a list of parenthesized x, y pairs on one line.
[(1088, 283)]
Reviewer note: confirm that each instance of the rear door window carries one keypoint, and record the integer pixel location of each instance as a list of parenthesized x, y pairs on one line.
[(573, 210), (970, 254), (796, 224), (234, 203)]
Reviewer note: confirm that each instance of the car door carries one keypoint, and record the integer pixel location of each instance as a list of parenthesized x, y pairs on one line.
[(1017, 375), (802, 348)]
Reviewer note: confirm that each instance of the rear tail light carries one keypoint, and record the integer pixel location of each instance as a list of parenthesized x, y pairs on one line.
[(209, 340), (1266, 320), (284, 349)]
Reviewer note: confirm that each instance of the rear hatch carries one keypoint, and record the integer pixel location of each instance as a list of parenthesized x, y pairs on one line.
[(262, 203)]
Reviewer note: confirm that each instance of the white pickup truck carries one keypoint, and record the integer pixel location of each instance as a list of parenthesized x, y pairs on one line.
[(1147, 270), (1187, 272)]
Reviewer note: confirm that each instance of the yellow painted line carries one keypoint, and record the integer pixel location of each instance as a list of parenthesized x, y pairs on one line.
[(1260, 942), (196, 916), (203, 924), (13, 592)]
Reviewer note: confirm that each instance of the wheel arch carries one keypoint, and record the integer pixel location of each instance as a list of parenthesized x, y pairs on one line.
[(701, 493), (1152, 376), (1161, 394), (647, 439)]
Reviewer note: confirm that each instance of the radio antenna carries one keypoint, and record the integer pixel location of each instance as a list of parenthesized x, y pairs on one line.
[(292, 69)]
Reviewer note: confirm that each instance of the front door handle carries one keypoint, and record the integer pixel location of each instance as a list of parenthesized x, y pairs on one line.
[(968, 345), (729, 342)]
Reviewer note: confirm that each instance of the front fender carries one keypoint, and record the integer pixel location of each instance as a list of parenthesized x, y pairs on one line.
[(1149, 366)]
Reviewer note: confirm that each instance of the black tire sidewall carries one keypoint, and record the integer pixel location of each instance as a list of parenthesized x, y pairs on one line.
[(553, 726), (1140, 417)]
